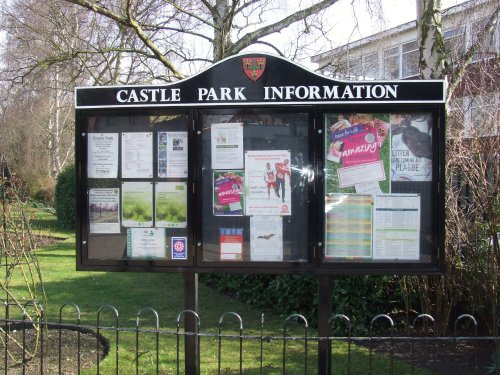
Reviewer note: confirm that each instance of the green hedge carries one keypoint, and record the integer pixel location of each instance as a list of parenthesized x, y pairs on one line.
[(358, 297), (65, 197)]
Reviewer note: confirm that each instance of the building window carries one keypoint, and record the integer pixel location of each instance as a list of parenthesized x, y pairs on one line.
[(484, 115), (409, 59), (370, 65), (401, 61), (355, 67), (365, 67), (454, 44), (391, 63), (456, 118), (488, 47)]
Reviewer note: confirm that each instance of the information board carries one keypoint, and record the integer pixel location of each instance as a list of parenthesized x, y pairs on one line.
[(283, 171)]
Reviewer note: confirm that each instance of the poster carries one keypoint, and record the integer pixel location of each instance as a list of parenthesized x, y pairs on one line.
[(266, 238), (231, 243), (102, 155), (179, 248), (104, 210), (228, 193), (348, 226), (137, 204), (267, 183), (147, 243), (411, 147), (357, 153), (396, 231), (172, 154), (171, 204), (137, 155), (227, 146)]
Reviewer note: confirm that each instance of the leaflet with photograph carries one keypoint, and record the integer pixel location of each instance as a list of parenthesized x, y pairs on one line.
[(267, 183), (227, 146), (146, 243), (396, 230), (411, 147), (171, 204), (173, 154), (102, 159), (104, 210), (266, 238), (137, 204), (137, 155)]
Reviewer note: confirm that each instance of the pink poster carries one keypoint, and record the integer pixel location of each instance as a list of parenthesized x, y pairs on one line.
[(228, 197), (360, 148), (227, 193)]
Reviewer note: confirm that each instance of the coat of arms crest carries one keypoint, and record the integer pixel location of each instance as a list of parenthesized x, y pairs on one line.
[(254, 67)]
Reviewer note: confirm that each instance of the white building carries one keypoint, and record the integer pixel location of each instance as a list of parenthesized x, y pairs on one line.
[(393, 54)]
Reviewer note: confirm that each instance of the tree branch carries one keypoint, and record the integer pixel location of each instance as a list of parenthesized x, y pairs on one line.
[(461, 69), (252, 37)]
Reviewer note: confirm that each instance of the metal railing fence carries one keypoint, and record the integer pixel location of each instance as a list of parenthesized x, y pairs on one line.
[(107, 347)]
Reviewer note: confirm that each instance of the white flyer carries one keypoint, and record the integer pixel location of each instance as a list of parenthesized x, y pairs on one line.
[(137, 155), (104, 210), (362, 173), (227, 146), (396, 227), (146, 243), (267, 183), (370, 187), (102, 159), (266, 238)]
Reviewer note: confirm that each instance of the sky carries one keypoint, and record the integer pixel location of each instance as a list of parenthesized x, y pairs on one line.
[(396, 12), (341, 16)]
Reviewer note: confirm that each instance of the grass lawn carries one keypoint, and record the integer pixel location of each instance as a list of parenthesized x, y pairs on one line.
[(130, 292)]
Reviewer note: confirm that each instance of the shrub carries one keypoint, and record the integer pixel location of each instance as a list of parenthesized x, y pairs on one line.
[(358, 297), (44, 194), (65, 197)]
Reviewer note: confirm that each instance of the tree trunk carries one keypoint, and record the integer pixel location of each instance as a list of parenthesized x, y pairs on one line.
[(432, 60), (222, 29)]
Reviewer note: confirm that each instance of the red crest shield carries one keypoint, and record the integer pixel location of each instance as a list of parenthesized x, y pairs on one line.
[(254, 67)]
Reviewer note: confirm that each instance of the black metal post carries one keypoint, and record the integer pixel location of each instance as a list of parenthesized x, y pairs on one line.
[(325, 308), (191, 349)]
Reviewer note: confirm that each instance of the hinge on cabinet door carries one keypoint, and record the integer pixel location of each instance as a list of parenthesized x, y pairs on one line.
[(314, 123), (193, 124), (194, 189)]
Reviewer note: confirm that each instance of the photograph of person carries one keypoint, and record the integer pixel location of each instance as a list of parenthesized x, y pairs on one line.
[(270, 179), (282, 170)]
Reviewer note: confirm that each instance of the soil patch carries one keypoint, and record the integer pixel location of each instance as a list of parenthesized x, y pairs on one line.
[(442, 357), (60, 348)]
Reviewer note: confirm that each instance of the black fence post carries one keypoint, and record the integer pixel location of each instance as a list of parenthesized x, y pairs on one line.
[(191, 343), (325, 307)]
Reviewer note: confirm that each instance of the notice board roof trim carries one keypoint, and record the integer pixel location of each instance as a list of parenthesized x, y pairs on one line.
[(259, 79)]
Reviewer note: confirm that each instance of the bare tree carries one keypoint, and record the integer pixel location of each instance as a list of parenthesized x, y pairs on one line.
[(52, 46), (472, 164), (177, 37)]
